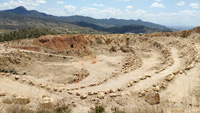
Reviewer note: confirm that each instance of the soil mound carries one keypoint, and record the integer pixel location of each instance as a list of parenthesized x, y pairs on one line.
[(63, 44)]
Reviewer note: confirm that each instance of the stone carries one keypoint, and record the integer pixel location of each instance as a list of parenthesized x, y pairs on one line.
[(163, 85), (48, 88), (119, 89), (181, 71), (8, 74), (17, 77), (143, 78), (46, 104), (123, 94), (100, 95), (112, 91), (55, 89), (78, 94), (113, 95), (2, 94), (8, 100), (60, 89), (129, 85), (24, 80), (169, 78), (84, 96), (157, 88), (148, 76), (90, 93), (153, 98), (42, 85), (31, 82), (141, 93), (21, 100), (128, 93), (70, 93)]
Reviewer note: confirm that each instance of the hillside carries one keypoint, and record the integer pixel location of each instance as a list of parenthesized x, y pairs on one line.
[(122, 29), (10, 22), (101, 22), (20, 18)]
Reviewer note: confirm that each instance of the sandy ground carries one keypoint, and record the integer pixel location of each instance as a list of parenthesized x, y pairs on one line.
[(55, 71)]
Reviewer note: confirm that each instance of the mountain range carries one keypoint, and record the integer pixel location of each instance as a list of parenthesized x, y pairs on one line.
[(20, 17)]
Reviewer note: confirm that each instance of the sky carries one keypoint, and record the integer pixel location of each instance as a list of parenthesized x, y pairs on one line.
[(165, 12)]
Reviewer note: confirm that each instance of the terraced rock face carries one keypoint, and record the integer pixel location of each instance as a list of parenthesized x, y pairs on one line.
[(121, 70)]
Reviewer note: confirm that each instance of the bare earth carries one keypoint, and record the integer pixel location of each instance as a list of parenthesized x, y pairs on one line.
[(74, 69)]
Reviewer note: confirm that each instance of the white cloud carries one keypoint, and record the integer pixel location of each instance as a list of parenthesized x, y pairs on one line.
[(98, 5), (129, 7), (29, 4), (70, 9), (41, 1), (60, 2), (195, 5), (139, 11), (158, 0), (157, 5), (55, 11), (181, 3)]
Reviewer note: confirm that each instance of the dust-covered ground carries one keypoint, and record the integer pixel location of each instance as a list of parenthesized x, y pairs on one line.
[(131, 73)]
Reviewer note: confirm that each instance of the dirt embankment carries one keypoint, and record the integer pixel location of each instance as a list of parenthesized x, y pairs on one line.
[(63, 44), (182, 34)]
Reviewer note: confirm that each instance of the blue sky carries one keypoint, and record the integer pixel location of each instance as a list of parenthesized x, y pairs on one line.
[(165, 12)]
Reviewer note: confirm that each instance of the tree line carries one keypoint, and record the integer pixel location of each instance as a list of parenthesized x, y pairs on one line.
[(26, 33)]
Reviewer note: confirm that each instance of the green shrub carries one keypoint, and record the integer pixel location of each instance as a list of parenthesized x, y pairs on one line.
[(99, 109)]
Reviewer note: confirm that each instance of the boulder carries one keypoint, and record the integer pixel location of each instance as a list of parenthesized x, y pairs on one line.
[(153, 98), (21, 100)]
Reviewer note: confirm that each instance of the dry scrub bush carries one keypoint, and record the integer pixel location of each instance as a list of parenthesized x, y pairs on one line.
[(23, 109)]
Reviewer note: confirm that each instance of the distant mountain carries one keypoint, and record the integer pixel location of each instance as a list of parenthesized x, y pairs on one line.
[(20, 17), (122, 29), (10, 22), (23, 11), (101, 22)]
